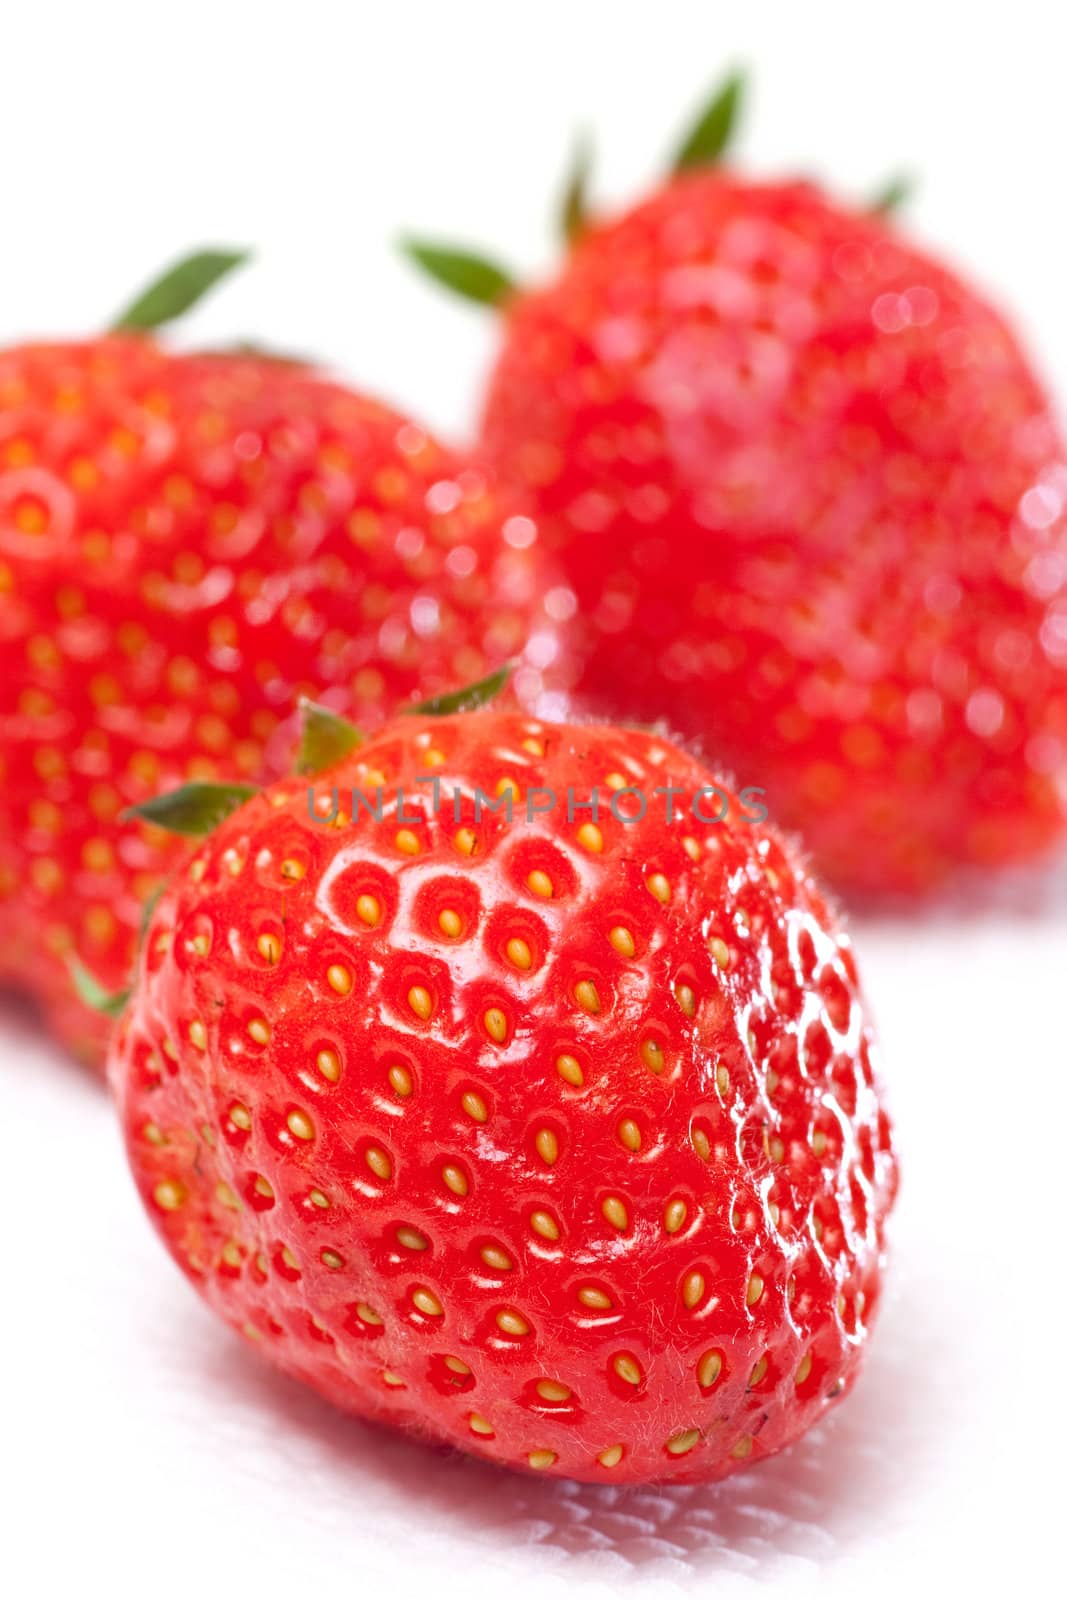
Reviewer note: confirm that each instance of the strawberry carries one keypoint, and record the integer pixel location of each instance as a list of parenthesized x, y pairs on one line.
[(810, 495), (557, 1139), (187, 542)]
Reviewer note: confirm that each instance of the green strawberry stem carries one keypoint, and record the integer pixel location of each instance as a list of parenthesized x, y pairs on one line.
[(574, 207), (893, 194), (92, 994), (471, 276), (178, 289), (709, 137), (476, 277), (325, 738), (470, 698), (195, 809), (148, 909)]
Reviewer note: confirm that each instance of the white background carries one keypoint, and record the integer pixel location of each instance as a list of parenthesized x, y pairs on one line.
[(146, 1454)]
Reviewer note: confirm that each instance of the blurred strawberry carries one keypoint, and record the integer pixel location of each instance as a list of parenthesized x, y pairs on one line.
[(187, 543), (810, 496)]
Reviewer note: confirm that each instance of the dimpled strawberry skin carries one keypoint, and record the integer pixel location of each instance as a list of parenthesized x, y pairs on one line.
[(810, 495), (558, 1141), (186, 544)]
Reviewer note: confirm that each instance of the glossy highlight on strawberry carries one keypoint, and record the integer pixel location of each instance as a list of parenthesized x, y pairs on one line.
[(187, 544), (555, 1137)]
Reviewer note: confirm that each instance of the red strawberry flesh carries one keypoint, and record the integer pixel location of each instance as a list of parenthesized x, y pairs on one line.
[(558, 1139)]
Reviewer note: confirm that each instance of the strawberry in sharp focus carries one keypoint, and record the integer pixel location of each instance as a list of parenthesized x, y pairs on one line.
[(555, 1139), (187, 543), (810, 495)]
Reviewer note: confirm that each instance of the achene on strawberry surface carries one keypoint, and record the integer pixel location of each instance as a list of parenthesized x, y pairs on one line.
[(187, 544), (556, 1139)]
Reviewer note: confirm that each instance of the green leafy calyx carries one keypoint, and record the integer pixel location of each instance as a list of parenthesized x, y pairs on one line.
[(473, 277), (470, 698), (709, 137), (195, 809), (93, 994), (178, 290), (325, 738), (893, 194), (574, 206)]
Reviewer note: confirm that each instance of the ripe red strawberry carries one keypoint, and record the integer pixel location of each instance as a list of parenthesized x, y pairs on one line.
[(810, 495), (558, 1140), (187, 543)]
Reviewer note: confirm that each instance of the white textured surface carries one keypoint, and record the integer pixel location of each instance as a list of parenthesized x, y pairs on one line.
[(146, 1454), (147, 1444)]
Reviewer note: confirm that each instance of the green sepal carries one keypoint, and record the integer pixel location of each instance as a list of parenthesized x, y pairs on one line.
[(92, 994), (470, 698), (893, 195), (710, 135), (574, 205), (471, 276), (325, 738), (195, 809), (178, 289), (148, 910)]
